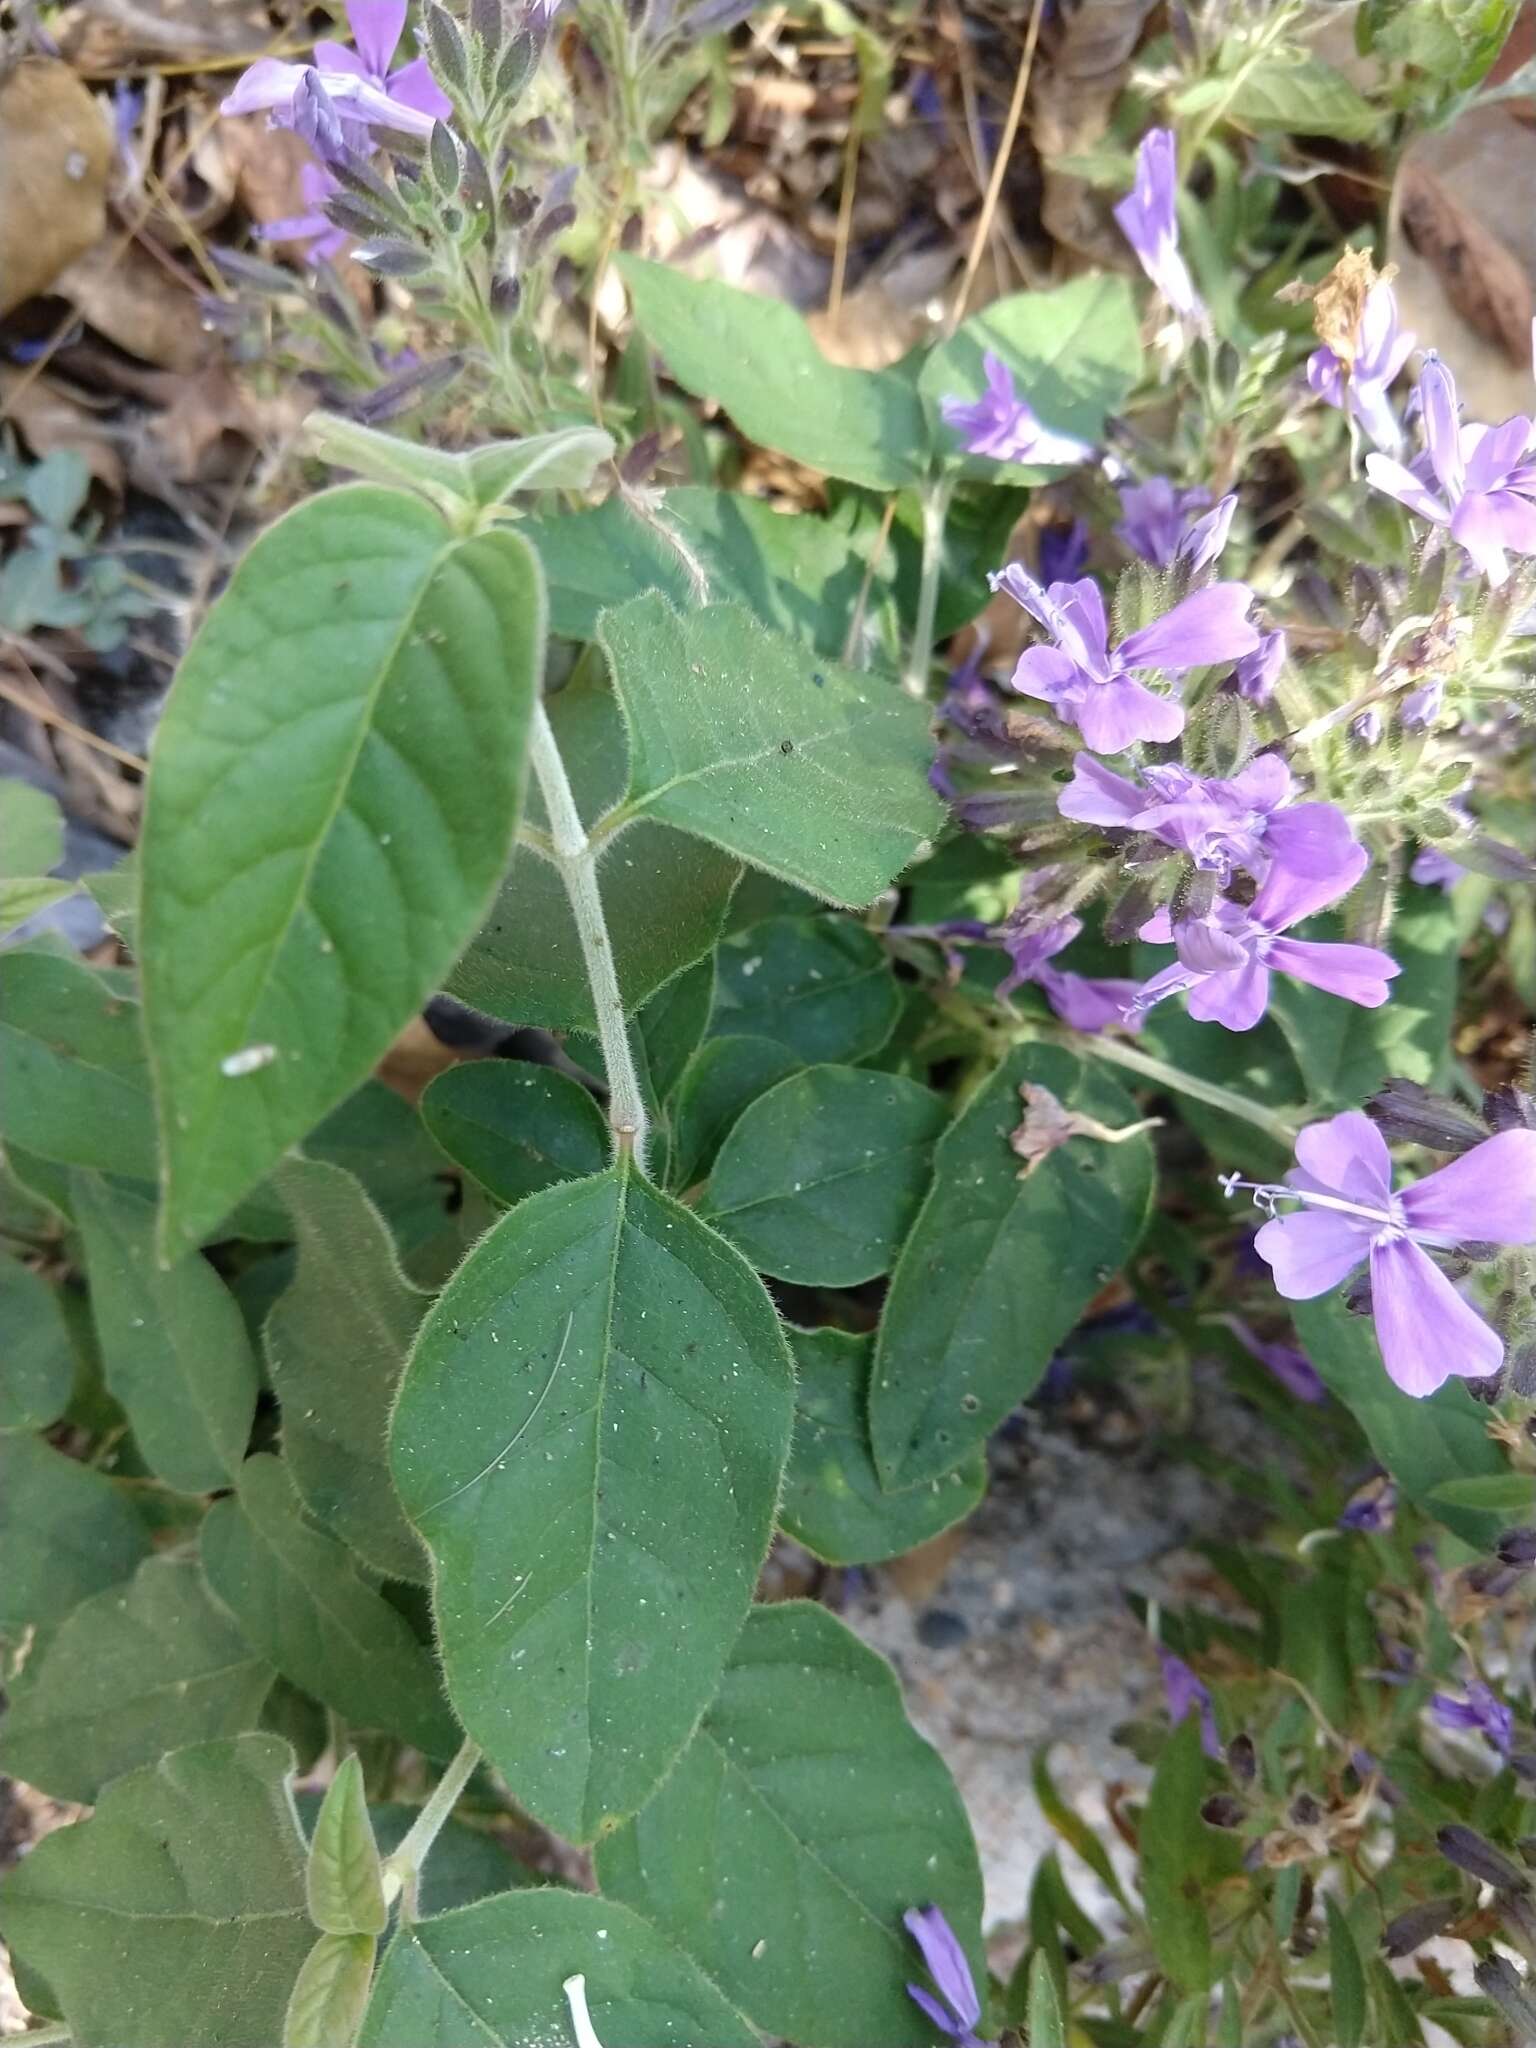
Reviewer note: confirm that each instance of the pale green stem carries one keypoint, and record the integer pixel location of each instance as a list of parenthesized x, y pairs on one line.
[(576, 858), (403, 1868), (44, 2035), (935, 498), (1111, 1050)]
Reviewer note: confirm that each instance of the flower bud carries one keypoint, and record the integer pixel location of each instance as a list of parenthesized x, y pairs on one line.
[(1517, 1547), (1421, 1923), (445, 46), (1468, 1850), (1408, 1114)]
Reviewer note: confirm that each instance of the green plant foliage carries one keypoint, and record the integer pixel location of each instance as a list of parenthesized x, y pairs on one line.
[(600, 1349), (299, 1599), (1174, 1864), (744, 738), (805, 1734), (343, 1882), (336, 1342), (515, 1126), (66, 1531), (37, 1364), (138, 1669), (380, 674), (502, 1965), (821, 989), (1001, 1264), (76, 1080), (833, 1501), (189, 1874), (174, 1347), (756, 356), (819, 1179), (330, 1993), (724, 1076)]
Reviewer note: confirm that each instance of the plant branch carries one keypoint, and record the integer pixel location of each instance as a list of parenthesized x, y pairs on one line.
[(576, 858), (402, 1869), (1098, 1046), (935, 501)]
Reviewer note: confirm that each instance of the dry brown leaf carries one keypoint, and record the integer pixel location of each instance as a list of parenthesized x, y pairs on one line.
[(1338, 304), (55, 153), (1079, 69), (100, 36), (417, 1056), (1487, 284), (144, 304), (48, 416)]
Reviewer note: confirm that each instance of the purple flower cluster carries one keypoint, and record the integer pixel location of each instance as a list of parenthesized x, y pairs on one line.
[(999, 424), (1348, 1213), (1164, 524), (1482, 1712)]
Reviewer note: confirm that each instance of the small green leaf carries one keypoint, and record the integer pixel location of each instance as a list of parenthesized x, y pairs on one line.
[(1423, 1444), (563, 460), (115, 892), (493, 1974), (1001, 1263), (174, 1348), (1073, 1829), (1046, 2028), (31, 831), (755, 355), (336, 1343), (176, 1912), (1075, 353), (37, 1360), (806, 1782), (1173, 1861), (348, 729), (466, 1863), (1346, 1978), (819, 1180), (833, 1501), (1506, 1493), (1290, 93), (668, 1030), (820, 987), (299, 1600), (330, 1993), (66, 1532), (76, 1081), (515, 1126), (722, 1078), (136, 1670), (600, 1350), (745, 738), (344, 1883), (22, 899)]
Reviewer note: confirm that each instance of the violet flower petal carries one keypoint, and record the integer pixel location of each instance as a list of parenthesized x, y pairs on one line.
[(377, 26), (1236, 1001), (1427, 1333), (1313, 1251), (1112, 716), (413, 85), (1488, 1193), (1316, 841), (1399, 482), (1441, 413), (1346, 1155), (1357, 973), (1285, 896), (1087, 1002), (1209, 625), (1096, 795), (946, 1961)]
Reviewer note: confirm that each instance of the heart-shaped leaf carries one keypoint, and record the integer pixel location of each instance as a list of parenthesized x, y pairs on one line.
[(515, 1126)]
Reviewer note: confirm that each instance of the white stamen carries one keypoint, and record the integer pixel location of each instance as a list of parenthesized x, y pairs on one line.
[(575, 1989), (1267, 1193)]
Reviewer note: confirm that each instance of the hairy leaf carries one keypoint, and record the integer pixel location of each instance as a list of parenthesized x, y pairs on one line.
[(76, 1081), (66, 1532), (724, 1076), (515, 1126), (343, 1881), (330, 1993), (821, 987), (37, 1360)]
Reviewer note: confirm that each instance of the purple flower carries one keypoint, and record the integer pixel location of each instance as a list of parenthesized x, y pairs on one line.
[(315, 227), (1002, 426), (1292, 1368), (1482, 1712), (1486, 481), (1093, 687), (1245, 821), (960, 2013), (1257, 673), (1148, 217), (1434, 868), (1186, 1694), (1155, 518), (1225, 960), (355, 89), (1063, 552), (1372, 1508), (1343, 1181), (1086, 1003), (1360, 386)]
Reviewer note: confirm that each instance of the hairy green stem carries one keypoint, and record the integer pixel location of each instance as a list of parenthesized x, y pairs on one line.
[(576, 858), (1100, 1047), (403, 1868), (935, 498)]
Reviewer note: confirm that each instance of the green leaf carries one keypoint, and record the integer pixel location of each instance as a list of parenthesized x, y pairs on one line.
[(820, 987), (786, 760), (668, 1030), (136, 1670), (1046, 2027), (336, 1343), (1289, 93), (756, 356), (665, 895), (819, 1180), (176, 1913), (300, 1600), (465, 1864), (1001, 1264), (1454, 42), (1423, 1444), (1075, 353), (1173, 1860), (565, 459), (330, 1993), (31, 831), (37, 1360), (515, 1126), (833, 1502), (598, 1352), (1506, 1493), (1346, 1977), (76, 1082), (808, 1785), (20, 900), (493, 1973), (344, 1884), (115, 892), (1072, 1828), (173, 1343), (722, 1078), (1345, 1052), (332, 799), (66, 1532)]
